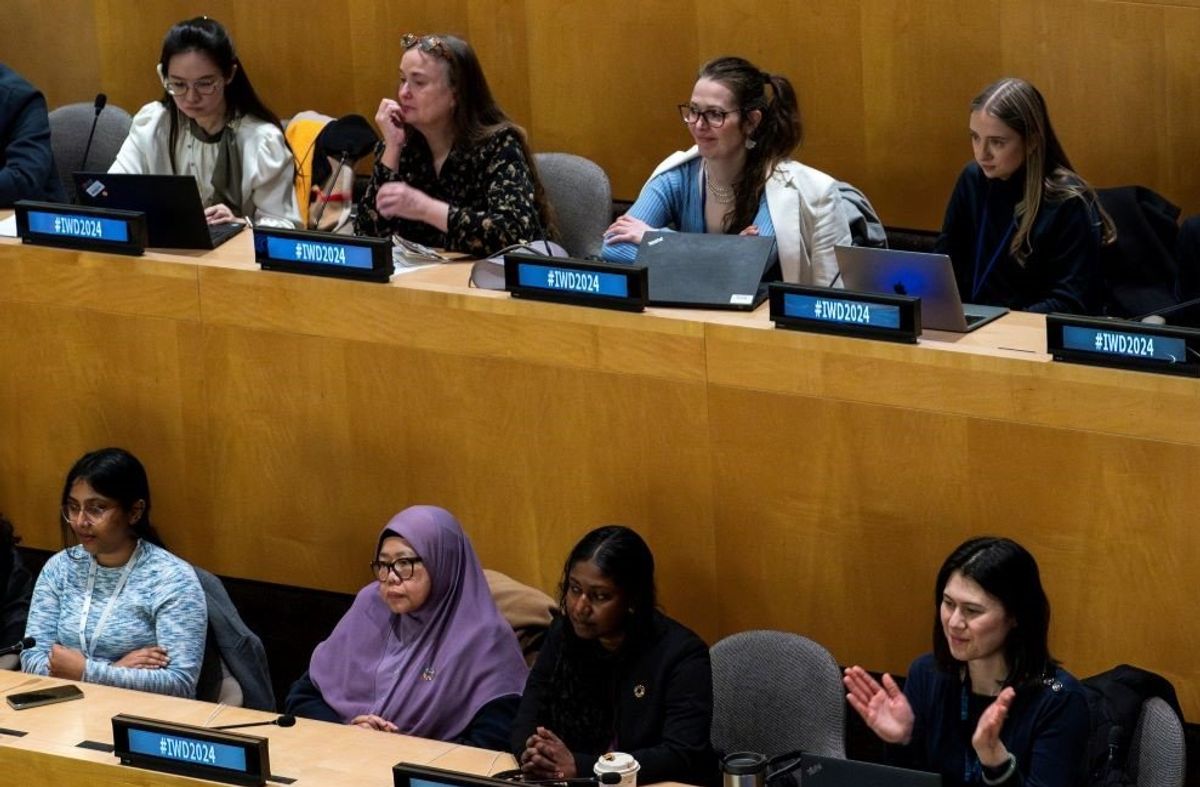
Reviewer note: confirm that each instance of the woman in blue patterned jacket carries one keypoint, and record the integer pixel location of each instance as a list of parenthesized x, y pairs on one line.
[(116, 608)]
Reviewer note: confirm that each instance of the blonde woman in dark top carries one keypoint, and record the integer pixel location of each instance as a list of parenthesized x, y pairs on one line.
[(453, 170)]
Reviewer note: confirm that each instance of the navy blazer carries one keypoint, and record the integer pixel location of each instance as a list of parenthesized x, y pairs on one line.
[(27, 168)]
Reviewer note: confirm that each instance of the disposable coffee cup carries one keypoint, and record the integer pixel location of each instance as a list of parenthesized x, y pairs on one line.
[(621, 764)]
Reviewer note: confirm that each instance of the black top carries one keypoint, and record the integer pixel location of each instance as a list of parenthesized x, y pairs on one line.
[(489, 188), (660, 690), (27, 168), (1046, 729), (1062, 273)]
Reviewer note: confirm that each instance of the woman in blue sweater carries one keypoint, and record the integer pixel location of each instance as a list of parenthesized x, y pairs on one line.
[(989, 705), (117, 608)]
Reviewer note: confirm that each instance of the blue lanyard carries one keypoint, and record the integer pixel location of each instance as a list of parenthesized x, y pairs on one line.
[(972, 769), (979, 280)]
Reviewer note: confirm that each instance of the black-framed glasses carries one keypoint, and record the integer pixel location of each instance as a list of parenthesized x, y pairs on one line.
[(427, 44), (402, 567), (713, 118), (92, 512)]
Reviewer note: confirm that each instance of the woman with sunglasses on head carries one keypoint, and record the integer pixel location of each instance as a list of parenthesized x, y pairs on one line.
[(422, 650), (211, 124), (739, 177), (117, 608), (616, 674), (454, 171), (1022, 228), (989, 705)]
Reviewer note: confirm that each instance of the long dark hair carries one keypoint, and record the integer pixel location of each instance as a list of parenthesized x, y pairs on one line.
[(477, 116), (208, 36), (580, 705), (117, 474), (1006, 570), (776, 136), (1048, 172)]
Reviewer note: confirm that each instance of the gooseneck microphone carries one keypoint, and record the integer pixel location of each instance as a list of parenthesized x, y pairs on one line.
[(286, 720), (17, 647), (601, 778), (101, 100)]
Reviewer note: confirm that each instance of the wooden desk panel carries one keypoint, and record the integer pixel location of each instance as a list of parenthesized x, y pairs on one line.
[(315, 752), (787, 480)]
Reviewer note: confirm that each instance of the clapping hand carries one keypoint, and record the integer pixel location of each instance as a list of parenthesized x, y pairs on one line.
[(884, 708), (986, 740)]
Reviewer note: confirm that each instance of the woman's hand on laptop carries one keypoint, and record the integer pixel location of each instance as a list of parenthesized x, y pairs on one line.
[(752, 230), (219, 214), (626, 229)]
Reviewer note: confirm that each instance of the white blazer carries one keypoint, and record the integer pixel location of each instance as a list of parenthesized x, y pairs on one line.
[(806, 209)]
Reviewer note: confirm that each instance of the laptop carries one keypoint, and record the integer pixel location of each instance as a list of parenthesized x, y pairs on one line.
[(708, 270), (174, 213), (816, 771), (406, 774), (929, 277)]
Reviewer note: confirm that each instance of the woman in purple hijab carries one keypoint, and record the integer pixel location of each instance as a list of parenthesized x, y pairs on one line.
[(423, 650)]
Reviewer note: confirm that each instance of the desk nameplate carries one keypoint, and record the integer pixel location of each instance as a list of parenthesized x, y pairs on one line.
[(78, 227), (1124, 345), (867, 315)]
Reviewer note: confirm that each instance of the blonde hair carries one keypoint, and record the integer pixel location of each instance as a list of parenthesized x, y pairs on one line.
[(1048, 171)]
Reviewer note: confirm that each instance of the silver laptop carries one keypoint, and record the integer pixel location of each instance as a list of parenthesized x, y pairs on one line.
[(816, 771), (929, 277)]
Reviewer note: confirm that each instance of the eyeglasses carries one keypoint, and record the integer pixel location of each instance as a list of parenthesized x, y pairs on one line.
[(713, 118), (203, 87), (427, 44), (402, 567), (92, 512)]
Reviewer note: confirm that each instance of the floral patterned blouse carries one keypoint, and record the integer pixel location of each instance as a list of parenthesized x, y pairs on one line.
[(489, 189)]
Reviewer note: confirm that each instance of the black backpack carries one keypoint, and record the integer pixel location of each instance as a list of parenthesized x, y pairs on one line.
[(1114, 705)]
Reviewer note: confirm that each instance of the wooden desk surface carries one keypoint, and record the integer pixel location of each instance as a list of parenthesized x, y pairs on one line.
[(784, 480), (312, 752)]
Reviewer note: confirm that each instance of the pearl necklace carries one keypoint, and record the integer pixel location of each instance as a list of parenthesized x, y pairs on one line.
[(724, 195)]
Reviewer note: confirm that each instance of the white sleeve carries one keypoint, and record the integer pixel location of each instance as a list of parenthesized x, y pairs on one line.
[(830, 229), (137, 150), (268, 181)]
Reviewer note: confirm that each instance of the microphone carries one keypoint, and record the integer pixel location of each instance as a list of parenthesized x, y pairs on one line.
[(342, 158), (24, 644), (101, 100), (286, 720), (602, 778)]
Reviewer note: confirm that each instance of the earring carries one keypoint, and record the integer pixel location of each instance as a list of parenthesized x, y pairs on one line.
[(750, 144)]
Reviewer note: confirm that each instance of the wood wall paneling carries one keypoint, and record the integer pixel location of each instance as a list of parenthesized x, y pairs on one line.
[(884, 84)]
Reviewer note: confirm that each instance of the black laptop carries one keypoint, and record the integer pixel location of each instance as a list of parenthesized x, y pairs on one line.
[(816, 771), (708, 270), (174, 213)]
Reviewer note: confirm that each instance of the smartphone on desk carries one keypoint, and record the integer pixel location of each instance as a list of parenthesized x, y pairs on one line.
[(33, 699)]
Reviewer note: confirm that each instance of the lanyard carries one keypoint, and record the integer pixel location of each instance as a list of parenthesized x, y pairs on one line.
[(108, 608), (979, 280), (971, 766)]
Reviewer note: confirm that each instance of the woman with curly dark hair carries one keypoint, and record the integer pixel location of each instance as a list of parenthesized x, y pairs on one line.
[(616, 674)]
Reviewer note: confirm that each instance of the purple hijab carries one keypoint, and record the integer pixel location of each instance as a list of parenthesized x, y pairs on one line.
[(381, 663)]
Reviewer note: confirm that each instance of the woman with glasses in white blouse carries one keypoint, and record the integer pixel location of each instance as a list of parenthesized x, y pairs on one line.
[(739, 177), (210, 124)]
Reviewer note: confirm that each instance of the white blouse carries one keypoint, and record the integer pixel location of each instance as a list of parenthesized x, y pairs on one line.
[(268, 191)]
